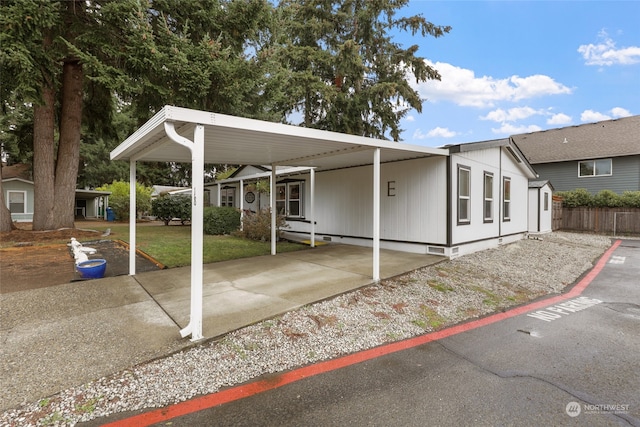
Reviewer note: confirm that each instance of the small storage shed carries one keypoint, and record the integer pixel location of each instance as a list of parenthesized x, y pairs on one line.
[(540, 206)]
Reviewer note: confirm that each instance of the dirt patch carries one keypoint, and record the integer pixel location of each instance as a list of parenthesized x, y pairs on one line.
[(34, 264)]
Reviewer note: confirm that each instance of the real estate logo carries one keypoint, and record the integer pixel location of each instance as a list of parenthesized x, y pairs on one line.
[(573, 409)]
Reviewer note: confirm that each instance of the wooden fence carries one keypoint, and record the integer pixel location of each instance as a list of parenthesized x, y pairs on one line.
[(613, 221), (556, 219)]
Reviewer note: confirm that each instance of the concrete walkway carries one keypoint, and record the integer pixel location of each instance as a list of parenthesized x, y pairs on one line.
[(57, 337)]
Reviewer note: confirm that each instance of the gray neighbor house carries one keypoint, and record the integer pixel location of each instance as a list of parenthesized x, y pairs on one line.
[(595, 156)]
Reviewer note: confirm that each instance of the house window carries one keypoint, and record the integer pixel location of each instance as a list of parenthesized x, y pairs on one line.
[(506, 199), (464, 195), (546, 201), (488, 197), (391, 188), (17, 201), (289, 199), (226, 196), (589, 168)]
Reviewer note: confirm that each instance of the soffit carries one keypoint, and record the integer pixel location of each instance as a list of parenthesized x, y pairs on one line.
[(235, 140)]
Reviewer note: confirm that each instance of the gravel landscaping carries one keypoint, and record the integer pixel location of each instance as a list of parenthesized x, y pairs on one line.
[(415, 303)]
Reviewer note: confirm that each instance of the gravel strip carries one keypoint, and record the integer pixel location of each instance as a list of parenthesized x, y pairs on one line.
[(412, 304)]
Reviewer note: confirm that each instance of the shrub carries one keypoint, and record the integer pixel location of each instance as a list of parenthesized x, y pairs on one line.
[(604, 199), (119, 198), (575, 198), (257, 226), (607, 199), (221, 220), (166, 207), (630, 199)]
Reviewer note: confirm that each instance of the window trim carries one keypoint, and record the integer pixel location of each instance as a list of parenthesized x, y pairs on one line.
[(24, 201), (546, 201), (506, 202), (225, 192), (287, 200), (487, 219), (467, 198), (594, 175)]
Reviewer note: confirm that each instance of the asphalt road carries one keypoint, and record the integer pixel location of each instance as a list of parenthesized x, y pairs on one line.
[(569, 362)]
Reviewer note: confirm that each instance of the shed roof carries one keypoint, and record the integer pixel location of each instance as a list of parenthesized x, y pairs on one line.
[(540, 184), (236, 140), (610, 138)]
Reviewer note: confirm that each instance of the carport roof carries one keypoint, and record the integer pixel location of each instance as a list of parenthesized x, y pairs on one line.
[(236, 140)]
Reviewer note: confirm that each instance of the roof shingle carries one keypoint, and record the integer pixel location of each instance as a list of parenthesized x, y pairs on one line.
[(610, 138)]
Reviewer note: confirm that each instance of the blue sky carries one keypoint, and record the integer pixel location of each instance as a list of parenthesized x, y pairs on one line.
[(511, 67)]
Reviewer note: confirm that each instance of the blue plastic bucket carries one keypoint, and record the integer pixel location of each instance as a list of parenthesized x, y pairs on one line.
[(93, 268)]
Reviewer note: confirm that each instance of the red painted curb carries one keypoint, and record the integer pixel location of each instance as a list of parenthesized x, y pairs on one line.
[(240, 392)]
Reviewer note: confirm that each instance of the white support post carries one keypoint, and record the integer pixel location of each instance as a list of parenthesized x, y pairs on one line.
[(241, 195), (194, 328), (219, 194), (197, 225), (312, 212), (273, 209), (376, 215), (132, 217)]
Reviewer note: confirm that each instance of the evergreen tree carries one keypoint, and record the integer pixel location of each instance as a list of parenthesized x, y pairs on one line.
[(343, 70), (67, 60)]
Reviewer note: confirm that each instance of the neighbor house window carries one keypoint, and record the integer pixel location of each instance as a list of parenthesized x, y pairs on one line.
[(488, 197), (600, 167), (17, 201), (464, 195), (289, 198), (506, 199), (227, 196)]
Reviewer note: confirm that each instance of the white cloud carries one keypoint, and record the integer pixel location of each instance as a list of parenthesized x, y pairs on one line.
[(410, 118), (595, 116), (436, 132), (606, 52), (439, 132), (620, 112), (509, 129), (510, 115), (559, 119), (462, 87)]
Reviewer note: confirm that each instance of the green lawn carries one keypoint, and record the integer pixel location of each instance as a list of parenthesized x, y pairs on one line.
[(171, 245)]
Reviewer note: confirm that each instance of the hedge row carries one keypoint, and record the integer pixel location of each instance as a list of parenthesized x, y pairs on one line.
[(603, 199)]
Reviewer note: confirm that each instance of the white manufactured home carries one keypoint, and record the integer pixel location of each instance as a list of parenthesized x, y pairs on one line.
[(345, 188), (474, 198)]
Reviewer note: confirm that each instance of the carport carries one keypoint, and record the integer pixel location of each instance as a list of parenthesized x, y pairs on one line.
[(178, 134)]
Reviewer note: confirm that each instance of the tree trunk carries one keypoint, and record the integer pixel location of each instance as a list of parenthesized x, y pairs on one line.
[(43, 159), (69, 144), (5, 215)]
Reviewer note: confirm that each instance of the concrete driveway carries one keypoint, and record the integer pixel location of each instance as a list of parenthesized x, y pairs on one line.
[(56, 337)]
